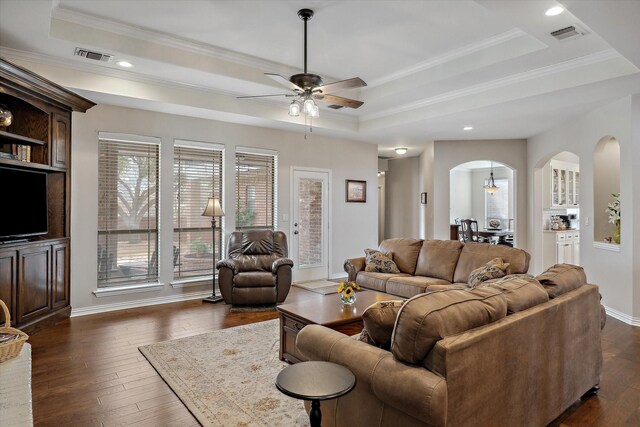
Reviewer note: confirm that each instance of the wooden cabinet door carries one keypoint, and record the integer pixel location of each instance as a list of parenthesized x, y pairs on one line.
[(8, 271), (60, 278), (565, 253), (60, 140), (576, 252), (34, 280)]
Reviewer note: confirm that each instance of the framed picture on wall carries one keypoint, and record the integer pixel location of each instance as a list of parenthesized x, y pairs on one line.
[(355, 191)]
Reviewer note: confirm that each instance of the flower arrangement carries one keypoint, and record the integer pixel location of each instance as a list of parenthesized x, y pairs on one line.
[(613, 209), (347, 291)]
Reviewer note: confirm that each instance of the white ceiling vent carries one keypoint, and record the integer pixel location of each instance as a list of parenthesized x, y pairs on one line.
[(96, 56), (569, 33)]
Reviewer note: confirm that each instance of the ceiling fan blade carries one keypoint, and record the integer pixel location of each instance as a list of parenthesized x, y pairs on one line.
[(264, 96), (284, 82), (343, 84), (338, 100)]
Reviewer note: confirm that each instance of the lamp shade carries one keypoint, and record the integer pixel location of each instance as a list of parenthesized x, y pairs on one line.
[(213, 208)]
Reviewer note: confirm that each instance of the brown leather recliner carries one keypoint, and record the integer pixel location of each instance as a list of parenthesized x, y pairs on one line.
[(256, 270)]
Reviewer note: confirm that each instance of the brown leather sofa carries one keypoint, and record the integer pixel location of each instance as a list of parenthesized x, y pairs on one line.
[(256, 269), (498, 355), (431, 264)]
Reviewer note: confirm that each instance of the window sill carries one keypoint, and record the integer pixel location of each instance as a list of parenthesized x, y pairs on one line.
[(194, 281), (613, 247), (127, 289)]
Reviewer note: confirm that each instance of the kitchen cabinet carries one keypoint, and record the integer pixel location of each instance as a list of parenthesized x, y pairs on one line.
[(565, 184), (561, 247)]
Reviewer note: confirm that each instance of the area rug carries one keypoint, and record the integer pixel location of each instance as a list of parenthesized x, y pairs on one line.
[(227, 377), (323, 287)]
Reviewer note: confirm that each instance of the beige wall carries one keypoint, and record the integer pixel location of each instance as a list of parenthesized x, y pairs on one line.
[(353, 226), (510, 152), (615, 272), (426, 176), (402, 203)]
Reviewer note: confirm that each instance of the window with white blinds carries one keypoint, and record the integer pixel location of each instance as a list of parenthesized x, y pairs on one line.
[(256, 189), (197, 175), (497, 204), (127, 210)]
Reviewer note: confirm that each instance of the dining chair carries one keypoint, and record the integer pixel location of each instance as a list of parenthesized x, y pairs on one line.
[(470, 232)]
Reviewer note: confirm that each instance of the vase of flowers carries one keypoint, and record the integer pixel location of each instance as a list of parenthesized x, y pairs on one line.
[(347, 291), (613, 209)]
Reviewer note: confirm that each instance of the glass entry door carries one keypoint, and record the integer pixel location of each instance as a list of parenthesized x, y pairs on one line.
[(309, 225)]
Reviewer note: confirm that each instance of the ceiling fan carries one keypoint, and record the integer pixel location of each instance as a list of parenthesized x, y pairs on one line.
[(308, 87)]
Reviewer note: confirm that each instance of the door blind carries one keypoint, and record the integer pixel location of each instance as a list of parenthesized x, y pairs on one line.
[(256, 191), (197, 175), (127, 212)]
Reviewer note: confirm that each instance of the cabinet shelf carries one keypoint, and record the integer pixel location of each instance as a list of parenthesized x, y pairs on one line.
[(30, 165), (13, 138)]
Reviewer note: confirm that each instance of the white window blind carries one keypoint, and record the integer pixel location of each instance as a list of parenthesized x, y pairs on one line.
[(256, 190), (127, 211), (197, 175), (497, 204)]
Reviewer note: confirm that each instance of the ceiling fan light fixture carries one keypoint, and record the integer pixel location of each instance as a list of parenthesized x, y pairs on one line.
[(315, 111), (401, 150), (294, 108), (307, 106)]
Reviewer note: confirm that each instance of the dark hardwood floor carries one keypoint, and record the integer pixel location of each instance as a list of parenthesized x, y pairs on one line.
[(87, 371)]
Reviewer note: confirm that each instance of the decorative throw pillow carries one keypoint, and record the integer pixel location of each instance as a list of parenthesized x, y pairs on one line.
[(494, 269), (379, 262), (379, 319)]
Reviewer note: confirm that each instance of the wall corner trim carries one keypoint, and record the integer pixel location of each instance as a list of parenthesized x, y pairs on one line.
[(623, 317)]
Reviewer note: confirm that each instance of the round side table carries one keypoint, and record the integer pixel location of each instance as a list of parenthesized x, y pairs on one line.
[(315, 381)]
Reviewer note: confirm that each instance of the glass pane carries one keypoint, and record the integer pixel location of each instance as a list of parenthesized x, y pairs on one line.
[(555, 192), (310, 222), (127, 257), (570, 188), (577, 191), (563, 187)]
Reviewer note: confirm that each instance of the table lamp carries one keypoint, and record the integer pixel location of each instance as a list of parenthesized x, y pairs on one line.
[(213, 210)]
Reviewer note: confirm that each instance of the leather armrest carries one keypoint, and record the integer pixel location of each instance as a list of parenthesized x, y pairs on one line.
[(352, 266), (279, 263), (230, 264), (411, 389)]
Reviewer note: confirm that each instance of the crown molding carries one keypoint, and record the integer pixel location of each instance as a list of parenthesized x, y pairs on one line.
[(548, 70), (451, 56), (187, 45)]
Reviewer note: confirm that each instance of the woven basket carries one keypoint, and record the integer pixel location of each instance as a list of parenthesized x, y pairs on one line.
[(11, 349)]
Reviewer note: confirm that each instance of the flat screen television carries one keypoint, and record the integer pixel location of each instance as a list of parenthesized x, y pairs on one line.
[(24, 203)]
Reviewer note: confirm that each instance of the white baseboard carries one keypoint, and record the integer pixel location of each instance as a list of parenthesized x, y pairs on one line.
[(104, 308), (629, 320), (339, 276)]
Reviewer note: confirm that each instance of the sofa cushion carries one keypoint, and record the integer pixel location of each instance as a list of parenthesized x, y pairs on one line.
[(375, 281), (475, 255), (405, 252), (562, 278), (378, 320), (438, 258), (412, 285), (522, 291), (494, 269), (379, 262), (425, 319)]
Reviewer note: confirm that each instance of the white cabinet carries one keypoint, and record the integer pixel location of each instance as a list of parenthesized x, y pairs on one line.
[(565, 184), (561, 247)]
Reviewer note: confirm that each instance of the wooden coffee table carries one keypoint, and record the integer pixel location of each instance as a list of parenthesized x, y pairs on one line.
[(326, 310)]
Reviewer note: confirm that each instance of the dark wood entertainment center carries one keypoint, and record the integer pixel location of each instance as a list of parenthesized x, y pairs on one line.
[(34, 274)]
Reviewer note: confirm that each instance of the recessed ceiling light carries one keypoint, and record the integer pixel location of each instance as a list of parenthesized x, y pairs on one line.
[(553, 11), (125, 64), (467, 128), (401, 150)]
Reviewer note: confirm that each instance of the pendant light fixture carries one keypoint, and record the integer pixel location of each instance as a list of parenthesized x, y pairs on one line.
[(491, 187)]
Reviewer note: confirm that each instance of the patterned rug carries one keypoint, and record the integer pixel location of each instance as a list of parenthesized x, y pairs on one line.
[(227, 377)]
